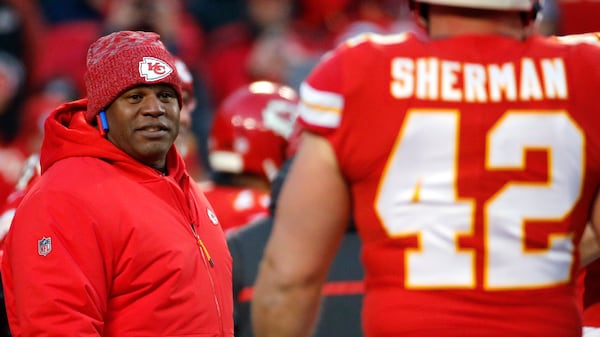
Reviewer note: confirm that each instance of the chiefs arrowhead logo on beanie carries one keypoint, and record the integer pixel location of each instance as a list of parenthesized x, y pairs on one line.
[(122, 60)]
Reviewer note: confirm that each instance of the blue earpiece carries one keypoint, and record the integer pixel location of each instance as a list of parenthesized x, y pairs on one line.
[(102, 122)]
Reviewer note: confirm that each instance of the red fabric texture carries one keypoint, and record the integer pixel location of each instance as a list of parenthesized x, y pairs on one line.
[(578, 16)]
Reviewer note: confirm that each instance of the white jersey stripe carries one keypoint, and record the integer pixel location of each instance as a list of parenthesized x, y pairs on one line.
[(319, 117), (320, 108)]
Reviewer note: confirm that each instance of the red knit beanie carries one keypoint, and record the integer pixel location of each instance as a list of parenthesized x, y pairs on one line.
[(122, 60)]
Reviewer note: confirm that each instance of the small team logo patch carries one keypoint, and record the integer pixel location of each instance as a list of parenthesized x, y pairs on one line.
[(153, 69), (212, 216), (44, 246)]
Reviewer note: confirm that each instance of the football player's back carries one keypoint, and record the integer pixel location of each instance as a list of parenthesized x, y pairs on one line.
[(472, 164), (473, 175)]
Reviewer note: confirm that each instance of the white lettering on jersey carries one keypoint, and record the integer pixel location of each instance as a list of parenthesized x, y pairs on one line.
[(451, 81)]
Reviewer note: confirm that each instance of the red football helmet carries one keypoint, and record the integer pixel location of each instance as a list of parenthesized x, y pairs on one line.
[(250, 131)]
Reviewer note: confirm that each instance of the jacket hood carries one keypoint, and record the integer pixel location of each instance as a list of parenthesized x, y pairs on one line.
[(68, 134)]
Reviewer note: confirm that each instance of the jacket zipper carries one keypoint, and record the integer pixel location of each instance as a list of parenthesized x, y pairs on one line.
[(207, 257), (205, 252), (203, 249)]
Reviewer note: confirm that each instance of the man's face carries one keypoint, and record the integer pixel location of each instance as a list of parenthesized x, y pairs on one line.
[(144, 122)]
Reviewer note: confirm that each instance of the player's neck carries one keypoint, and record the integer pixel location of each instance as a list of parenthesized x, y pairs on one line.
[(447, 22)]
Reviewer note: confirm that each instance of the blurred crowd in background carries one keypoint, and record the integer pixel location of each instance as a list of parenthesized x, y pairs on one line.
[(224, 43)]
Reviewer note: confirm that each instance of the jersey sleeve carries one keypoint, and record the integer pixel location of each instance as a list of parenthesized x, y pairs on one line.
[(321, 102), (336, 76)]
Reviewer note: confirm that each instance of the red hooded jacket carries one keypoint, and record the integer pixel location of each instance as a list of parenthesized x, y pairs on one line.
[(103, 245)]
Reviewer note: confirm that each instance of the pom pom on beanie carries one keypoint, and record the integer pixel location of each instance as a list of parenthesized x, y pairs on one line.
[(122, 60)]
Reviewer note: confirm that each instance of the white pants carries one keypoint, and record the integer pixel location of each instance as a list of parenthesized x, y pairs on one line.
[(591, 331)]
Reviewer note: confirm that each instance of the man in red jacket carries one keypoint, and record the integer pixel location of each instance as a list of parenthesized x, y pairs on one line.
[(115, 238)]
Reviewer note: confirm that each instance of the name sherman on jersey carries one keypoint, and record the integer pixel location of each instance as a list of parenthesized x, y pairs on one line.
[(437, 79)]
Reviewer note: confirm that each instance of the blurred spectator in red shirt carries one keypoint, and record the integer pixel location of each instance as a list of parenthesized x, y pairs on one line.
[(281, 40), (29, 133), (12, 83), (20, 30), (70, 30), (274, 40), (187, 141)]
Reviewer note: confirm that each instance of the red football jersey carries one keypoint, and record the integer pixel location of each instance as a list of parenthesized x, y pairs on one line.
[(236, 206), (472, 163), (589, 279), (578, 16)]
